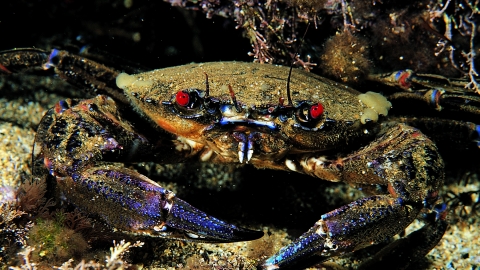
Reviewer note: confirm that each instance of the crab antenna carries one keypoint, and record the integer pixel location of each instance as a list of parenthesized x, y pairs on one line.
[(289, 98), (207, 86), (234, 99)]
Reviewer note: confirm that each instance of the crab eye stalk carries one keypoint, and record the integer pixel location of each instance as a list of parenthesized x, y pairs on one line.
[(316, 111), (187, 103), (182, 98), (193, 103), (308, 114)]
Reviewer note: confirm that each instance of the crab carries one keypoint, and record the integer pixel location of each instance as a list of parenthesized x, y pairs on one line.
[(242, 113)]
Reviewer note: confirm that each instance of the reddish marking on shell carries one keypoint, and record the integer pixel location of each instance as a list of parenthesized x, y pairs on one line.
[(316, 110), (166, 125), (437, 96), (443, 216), (4, 69), (49, 165), (181, 129), (182, 98), (113, 118), (240, 128), (58, 108), (47, 162), (391, 190), (415, 134), (403, 80), (83, 107)]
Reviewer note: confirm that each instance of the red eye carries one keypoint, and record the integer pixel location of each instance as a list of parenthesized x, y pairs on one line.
[(316, 110), (182, 98)]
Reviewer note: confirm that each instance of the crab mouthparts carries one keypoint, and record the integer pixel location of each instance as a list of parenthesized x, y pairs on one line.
[(245, 144), (244, 136)]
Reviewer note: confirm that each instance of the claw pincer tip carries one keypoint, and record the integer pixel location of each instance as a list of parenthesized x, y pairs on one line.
[(200, 226), (142, 206), (298, 254)]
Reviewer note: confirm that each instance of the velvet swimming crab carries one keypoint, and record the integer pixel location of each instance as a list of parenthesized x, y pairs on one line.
[(230, 112)]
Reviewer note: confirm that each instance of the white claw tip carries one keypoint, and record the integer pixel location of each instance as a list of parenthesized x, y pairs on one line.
[(291, 165), (240, 156), (249, 154)]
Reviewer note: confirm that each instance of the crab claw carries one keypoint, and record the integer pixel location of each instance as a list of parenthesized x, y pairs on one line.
[(196, 225), (130, 202), (351, 227), (303, 252)]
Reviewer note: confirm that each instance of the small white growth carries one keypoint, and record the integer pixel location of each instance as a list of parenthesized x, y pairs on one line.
[(123, 80), (376, 103), (369, 114), (146, 83)]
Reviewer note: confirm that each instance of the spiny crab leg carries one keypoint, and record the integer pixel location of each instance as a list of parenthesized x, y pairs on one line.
[(434, 91), (405, 188), (96, 78), (343, 230)]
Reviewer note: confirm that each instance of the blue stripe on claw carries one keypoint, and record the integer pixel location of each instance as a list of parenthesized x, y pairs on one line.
[(52, 59)]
